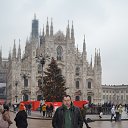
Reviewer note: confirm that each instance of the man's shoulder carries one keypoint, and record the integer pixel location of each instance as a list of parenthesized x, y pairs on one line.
[(60, 108)]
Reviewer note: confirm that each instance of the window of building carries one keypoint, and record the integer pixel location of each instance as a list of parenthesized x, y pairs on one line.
[(117, 97), (77, 71), (103, 91), (126, 97), (25, 82), (121, 91), (126, 91), (77, 84), (117, 91), (110, 97), (121, 97), (104, 97), (89, 84), (59, 53)]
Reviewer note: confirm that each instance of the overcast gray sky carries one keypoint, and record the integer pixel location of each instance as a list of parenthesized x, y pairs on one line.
[(104, 22)]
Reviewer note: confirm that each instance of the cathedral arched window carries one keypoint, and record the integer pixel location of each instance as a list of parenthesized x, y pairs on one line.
[(39, 68), (39, 82), (60, 71), (89, 84), (77, 84), (77, 71), (25, 82), (59, 53)]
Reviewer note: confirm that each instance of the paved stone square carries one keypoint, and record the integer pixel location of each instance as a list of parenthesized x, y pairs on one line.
[(37, 123)]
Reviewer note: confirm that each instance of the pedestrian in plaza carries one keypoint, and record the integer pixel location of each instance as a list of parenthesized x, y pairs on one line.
[(1, 108), (26, 108), (100, 111), (127, 109), (5, 121), (47, 110), (113, 114), (68, 115), (40, 107), (120, 109), (21, 117), (51, 110), (117, 112), (44, 110), (29, 109), (83, 113)]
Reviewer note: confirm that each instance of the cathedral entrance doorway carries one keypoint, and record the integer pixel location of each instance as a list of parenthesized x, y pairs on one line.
[(89, 99), (25, 97), (77, 98), (39, 97)]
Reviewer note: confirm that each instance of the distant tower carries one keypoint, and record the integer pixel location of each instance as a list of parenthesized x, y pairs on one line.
[(35, 27)]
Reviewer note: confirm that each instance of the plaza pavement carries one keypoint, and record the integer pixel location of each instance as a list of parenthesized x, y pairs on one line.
[(40, 122), (37, 115)]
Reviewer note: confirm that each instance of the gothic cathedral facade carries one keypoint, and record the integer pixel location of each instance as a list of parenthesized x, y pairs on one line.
[(83, 78)]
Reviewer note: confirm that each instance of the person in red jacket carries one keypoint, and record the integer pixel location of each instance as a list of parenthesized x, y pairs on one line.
[(21, 117)]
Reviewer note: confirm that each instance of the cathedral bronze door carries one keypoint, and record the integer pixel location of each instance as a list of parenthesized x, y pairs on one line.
[(25, 97), (89, 99)]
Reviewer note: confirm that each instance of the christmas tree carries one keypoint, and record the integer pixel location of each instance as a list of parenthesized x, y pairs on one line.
[(54, 83)]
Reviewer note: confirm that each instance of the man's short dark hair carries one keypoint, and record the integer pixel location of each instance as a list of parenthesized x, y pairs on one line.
[(67, 96)]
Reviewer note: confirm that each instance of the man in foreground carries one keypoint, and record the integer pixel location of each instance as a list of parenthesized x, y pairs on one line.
[(68, 115)]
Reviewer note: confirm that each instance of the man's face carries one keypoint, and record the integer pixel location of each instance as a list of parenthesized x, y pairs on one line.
[(67, 101)]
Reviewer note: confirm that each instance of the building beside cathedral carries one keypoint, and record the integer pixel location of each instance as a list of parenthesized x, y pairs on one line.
[(117, 94), (82, 77)]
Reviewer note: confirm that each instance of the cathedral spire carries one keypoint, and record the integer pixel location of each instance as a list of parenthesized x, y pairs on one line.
[(14, 51), (47, 28), (35, 33), (43, 31), (95, 59), (19, 52), (34, 16), (1, 55), (91, 63), (84, 45), (99, 58), (9, 56), (68, 31), (72, 32), (77, 50), (51, 28)]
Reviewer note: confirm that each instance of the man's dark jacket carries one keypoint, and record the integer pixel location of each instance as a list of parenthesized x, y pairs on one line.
[(21, 119), (58, 118)]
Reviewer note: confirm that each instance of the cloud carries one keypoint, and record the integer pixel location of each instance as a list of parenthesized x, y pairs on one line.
[(104, 22)]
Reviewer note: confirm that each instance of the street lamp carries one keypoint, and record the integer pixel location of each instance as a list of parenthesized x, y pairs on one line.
[(16, 83), (41, 59)]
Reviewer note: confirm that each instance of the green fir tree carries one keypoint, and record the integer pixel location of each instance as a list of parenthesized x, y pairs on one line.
[(54, 83)]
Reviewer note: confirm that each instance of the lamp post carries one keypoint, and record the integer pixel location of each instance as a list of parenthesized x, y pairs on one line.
[(16, 83), (41, 59)]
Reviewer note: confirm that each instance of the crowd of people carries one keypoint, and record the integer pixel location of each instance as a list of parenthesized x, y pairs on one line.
[(67, 115), (46, 110), (20, 118)]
